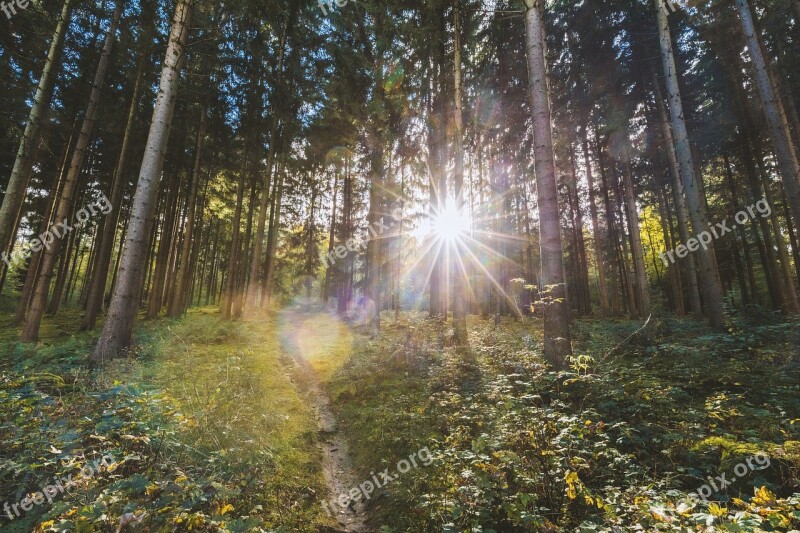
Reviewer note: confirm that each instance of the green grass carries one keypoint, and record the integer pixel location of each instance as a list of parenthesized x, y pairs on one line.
[(208, 428), (211, 432), (613, 442)]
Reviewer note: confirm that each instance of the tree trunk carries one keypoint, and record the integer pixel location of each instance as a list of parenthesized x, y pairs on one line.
[(17, 183), (596, 230), (669, 242), (94, 302), (584, 303), (251, 301), (679, 198), (47, 221), (235, 248), (118, 328), (459, 276), (329, 268), (615, 281), (642, 291), (557, 344), (773, 112), (30, 331), (179, 299), (789, 291), (272, 240), (165, 241), (712, 286)]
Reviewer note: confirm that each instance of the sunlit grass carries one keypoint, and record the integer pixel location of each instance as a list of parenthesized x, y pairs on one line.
[(242, 422), (322, 340)]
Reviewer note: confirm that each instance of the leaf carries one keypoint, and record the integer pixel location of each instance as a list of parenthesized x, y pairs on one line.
[(717, 511), (763, 497)]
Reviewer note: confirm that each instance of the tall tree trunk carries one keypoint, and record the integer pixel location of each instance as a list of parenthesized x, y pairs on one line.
[(459, 276), (18, 182), (47, 221), (617, 280), (679, 198), (179, 299), (272, 240), (582, 269), (737, 206), (345, 281), (709, 274), (596, 230), (669, 242), (766, 247), (773, 112), (99, 280), (789, 291), (118, 328), (165, 241), (234, 255), (791, 229), (251, 300), (329, 268), (33, 319), (557, 344), (642, 290)]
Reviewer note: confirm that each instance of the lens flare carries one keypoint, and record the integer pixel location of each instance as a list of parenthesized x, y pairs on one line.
[(450, 224)]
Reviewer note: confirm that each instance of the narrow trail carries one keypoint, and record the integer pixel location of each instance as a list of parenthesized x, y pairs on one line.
[(337, 464)]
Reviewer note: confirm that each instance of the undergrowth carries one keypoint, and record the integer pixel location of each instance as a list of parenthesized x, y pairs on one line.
[(205, 428), (640, 420)]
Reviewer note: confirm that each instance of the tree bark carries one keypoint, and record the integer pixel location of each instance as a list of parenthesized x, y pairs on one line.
[(679, 198), (329, 268), (33, 319), (234, 255), (596, 230), (272, 239), (251, 300), (94, 302), (459, 276), (17, 183), (642, 290), (557, 344), (179, 299), (712, 286), (118, 328), (773, 112)]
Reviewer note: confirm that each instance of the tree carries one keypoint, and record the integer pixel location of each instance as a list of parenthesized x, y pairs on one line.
[(773, 111), (709, 273), (460, 274), (557, 344), (118, 328), (33, 319), (18, 182)]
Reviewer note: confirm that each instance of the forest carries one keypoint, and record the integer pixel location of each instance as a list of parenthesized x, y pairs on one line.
[(462, 266)]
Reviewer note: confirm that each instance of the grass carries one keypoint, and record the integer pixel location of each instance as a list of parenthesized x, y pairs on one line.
[(619, 440), (210, 432), (208, 428)]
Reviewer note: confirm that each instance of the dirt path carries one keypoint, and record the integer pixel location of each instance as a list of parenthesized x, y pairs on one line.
[(340, 476)]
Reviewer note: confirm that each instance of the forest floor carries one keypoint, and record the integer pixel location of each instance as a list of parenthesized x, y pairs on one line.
[(252, 425)]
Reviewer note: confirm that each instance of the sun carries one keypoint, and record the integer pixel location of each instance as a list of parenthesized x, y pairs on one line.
[(449, 224)]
